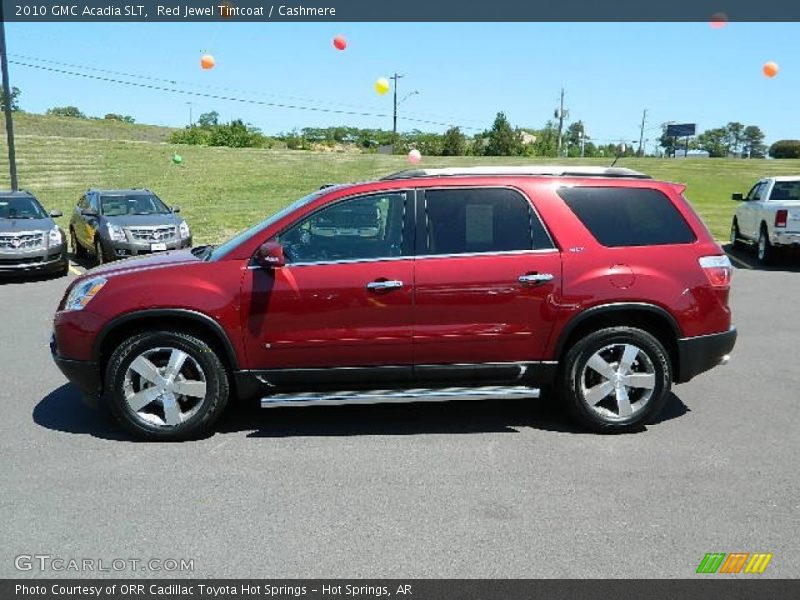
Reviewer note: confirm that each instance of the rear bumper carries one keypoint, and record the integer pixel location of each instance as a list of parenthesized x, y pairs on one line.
[(83, 374), (699, 354), (780, 238)]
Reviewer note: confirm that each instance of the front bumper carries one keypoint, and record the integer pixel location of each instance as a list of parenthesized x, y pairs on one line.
[(45, 260), (699, 354), (83, 374), (113, 249)]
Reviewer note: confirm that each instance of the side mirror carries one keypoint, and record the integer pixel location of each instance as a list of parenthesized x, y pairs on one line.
[(56, 213), (176, 209), (88, 213), (270, 255), (737, 197)]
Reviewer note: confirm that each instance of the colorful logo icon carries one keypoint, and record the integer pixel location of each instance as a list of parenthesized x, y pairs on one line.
[(733, 563)]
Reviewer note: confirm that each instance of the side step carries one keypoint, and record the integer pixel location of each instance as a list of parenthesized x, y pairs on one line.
[(410, 395)]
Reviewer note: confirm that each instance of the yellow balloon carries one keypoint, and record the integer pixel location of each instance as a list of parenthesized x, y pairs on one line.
[(382, 86)]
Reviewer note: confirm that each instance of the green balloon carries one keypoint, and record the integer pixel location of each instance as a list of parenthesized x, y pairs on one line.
[(177, 159)]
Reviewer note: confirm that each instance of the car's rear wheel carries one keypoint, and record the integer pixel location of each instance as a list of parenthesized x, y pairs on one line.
[(764, 252), (166, 386), (735, 235), (78, 250), (616, 379)]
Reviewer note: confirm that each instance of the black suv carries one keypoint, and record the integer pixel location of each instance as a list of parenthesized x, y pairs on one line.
[(30, 241), (112, 224)]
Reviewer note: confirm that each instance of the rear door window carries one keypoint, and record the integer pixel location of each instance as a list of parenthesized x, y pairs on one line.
[(476, 220), (628, 216)]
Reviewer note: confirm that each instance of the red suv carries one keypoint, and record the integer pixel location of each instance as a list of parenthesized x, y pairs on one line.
[(599, 284)]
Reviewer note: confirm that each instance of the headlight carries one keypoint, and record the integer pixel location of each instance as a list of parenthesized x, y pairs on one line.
[(54, 237), (115, 232), (183, 228), (82, 293)]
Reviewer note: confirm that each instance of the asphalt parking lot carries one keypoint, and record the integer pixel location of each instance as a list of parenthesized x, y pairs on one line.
[(467, 489)]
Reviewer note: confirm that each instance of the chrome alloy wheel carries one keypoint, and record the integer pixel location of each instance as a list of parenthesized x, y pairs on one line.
[(164, 387), (618, 381)]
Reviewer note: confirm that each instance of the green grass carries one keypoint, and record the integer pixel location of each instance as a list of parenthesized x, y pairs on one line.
[(223, 190)]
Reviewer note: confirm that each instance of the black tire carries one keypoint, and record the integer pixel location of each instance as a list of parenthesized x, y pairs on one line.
[(78, 250), (143, 424), (765, 253), (652, 364), (99, 255), (736, 237)]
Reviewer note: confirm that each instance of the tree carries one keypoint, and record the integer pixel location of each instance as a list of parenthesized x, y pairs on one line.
[(122, 118), (785, 149), (15, 93), (714, 141), (735, 136), (454, 143), (753, 139), (503, 139), (66, 111), (667, 142), (208, 119)]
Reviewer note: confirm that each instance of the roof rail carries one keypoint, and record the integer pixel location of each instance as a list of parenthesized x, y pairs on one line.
[(539, 170)]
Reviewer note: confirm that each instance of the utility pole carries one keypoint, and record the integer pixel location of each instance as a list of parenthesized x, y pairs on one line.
[(583, 140), (641, 133), (12, 158), (395, 77), (560, 115)]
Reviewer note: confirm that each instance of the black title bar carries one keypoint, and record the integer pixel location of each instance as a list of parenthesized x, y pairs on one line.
[(402, 11)]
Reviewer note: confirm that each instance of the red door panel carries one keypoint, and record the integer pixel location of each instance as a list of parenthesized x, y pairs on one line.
[(324, 315), (472, 309)]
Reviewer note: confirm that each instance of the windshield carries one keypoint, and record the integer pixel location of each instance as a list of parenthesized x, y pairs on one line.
[(786, 190), (21, 208), (223, 249), (117, 205)]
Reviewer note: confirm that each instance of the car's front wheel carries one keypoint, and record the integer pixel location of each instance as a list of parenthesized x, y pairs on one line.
[(616, 379), (736, 237), (166, 386), (98, 252)]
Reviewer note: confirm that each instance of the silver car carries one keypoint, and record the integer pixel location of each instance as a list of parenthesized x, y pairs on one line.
[(30, 241)]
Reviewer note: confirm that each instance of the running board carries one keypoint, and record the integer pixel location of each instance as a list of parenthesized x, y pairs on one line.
[(400, 396)]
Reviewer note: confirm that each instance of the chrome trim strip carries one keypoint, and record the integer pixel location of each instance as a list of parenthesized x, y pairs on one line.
[(420, 257), (399, 396)]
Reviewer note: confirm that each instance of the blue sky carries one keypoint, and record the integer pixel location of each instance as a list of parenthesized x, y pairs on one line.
[(464, 73)]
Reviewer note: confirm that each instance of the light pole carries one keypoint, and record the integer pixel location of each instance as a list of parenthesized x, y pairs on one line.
[(12, 158), (190, 113), (395, 77)]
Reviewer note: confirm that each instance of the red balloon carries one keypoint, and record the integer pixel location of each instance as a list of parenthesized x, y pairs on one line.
[(339, 42), (718, 20)]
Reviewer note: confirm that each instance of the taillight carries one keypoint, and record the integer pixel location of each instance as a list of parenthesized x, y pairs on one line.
[(718, 269), (781, 217)]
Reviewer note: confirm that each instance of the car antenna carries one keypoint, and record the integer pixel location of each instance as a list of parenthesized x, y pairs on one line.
[(620, 151)]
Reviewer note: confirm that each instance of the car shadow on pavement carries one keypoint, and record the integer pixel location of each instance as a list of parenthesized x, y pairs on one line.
[(745, 258), (455, 417), (14, 279), (63, 410)]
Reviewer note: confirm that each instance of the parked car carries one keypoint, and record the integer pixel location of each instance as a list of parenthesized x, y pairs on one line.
[(768, 217), (30, 240), (111, 224), (477, 283)]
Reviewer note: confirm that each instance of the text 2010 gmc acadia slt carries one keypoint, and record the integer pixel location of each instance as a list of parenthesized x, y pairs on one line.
[(599, 284)]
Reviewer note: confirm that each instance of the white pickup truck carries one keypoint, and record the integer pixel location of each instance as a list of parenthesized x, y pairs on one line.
[(768, 217)]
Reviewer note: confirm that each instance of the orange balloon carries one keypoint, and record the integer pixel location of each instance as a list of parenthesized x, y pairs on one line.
[(770, 69), (207, 61)]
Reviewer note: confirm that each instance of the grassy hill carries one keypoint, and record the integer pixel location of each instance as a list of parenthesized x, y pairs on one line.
[(223, 190)]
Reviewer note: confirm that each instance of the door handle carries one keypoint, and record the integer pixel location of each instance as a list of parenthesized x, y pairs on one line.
[(535, 278), (392, 284)]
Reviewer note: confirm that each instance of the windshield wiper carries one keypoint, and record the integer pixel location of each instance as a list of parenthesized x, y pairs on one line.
[(203, 252)]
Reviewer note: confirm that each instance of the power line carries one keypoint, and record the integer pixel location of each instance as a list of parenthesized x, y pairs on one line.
[(228, 98), (205, 86)]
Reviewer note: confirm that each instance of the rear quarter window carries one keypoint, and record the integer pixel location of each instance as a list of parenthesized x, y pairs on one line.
[(628, 216)]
